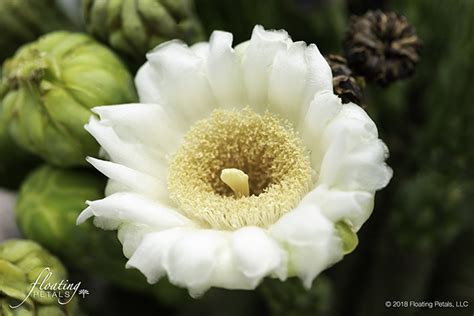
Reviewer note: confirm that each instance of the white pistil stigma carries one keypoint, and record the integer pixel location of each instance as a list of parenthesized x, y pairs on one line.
[(237, 180)]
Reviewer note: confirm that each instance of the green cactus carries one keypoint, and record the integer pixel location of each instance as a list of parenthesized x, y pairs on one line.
[(135, 27), (49, 88)]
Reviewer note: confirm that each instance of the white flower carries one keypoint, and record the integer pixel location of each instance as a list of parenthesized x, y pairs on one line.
[(239, 163)]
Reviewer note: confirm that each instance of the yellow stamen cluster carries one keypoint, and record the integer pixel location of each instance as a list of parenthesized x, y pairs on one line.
[(263, 147)]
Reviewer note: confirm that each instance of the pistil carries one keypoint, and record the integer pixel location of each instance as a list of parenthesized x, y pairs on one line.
[(237, 180)]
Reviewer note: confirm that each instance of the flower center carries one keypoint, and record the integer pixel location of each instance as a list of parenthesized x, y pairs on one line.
[(239, 168)]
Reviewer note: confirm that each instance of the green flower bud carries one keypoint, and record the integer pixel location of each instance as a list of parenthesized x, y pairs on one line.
[(22, 264), (23, 21), (48, 205), (135, 27), (51, 85)]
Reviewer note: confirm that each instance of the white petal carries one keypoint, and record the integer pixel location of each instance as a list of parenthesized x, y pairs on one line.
[(226, 274), (84, 216), (224, 71), (287, 81), (133, 155), (324, 107), (201, 50), (135, 181), (152, 253), (133, 208), (354, 118), (113, 186), (131, 236), (193, 259), (352, 206), (148, 124), (106, 223), (319, 74), (182, 80), (311, 240), (240, 49), (204, 258), (147, 89), (257, 254), (257, 63), (354, 156), (103, 223), (298, 75)]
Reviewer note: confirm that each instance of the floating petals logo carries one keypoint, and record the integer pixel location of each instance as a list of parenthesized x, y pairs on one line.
[(63, 291), (83, 292)]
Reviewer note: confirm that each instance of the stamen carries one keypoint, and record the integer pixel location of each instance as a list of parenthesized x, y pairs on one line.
[(237, 180)]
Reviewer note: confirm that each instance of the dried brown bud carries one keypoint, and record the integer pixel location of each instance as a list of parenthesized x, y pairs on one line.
[(346, 85), (382, 47)]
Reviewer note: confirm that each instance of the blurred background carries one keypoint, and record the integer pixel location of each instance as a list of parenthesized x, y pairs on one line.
[(419, 243)]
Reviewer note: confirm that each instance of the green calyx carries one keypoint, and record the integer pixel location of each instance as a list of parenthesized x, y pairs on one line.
[(22, 264), (135, 27), (348, 237), (48, 89)]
